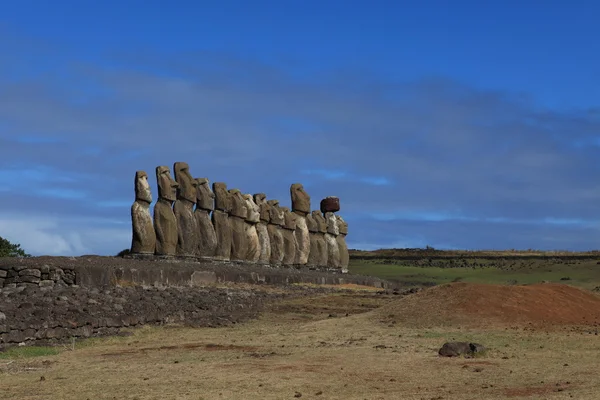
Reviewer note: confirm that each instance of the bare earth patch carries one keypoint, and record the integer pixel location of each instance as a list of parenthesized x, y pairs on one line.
[(309, 348)]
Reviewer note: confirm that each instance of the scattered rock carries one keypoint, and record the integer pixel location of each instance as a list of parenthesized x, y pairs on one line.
[(455, 349)]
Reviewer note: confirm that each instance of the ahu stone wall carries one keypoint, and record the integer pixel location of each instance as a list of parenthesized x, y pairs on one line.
[(192, 220), (17, 274)]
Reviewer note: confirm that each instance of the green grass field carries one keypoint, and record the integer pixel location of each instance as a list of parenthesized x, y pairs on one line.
[(584, 274)]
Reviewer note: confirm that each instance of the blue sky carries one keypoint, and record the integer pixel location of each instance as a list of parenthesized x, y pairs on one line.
[(451, 124)]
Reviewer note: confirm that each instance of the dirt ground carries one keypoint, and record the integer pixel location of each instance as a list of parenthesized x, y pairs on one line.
[(329, 346)]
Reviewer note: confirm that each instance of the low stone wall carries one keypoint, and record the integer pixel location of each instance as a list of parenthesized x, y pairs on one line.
[(96, 271), (29, 314), (31, 274), (56, 298)]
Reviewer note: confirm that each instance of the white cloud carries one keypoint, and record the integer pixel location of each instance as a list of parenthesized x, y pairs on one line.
[(41, 235)]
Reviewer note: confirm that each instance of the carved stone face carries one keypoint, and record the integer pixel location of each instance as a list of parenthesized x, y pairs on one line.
[(311, 224), (205, 198), (261, 200), (275, 212), (187, 184), (222, 197), (300, 199), (167, 187), (238, 204), (320, 220), (142, 187), (332, 224), (342, 225), (253, 215), (289, 218)]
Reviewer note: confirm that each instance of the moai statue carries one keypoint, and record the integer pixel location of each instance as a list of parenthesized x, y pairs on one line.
[(301, 207), (220, 220), (237, 219), (333, 249), (252, 219), (343, 247), (290, 247), (313, 230), (187, 227), (165, 223), (205, 204), (321, 244), (276, 222), (261, 228), (144, 238)]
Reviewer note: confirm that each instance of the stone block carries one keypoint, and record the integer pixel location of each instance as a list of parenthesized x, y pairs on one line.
[(31, 272), (30, 279), (330, 204)]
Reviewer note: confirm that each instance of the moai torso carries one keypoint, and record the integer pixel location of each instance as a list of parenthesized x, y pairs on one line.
[(342, 245), (260, 199), (322, 254), (187, 228), (276, 221), (301, 207), (252, 220), (220, 219), (333, 256), (205, 200), (238, 214), (289, 237), (144, 237), (165, 223)]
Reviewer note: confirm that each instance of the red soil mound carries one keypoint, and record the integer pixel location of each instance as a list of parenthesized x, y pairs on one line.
[(470, 304)]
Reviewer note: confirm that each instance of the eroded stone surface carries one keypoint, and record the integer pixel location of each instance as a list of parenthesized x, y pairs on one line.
[(252, 220), (187, 226), (330, 204), (237, 218), (207, 238), (275, 232), (313, 229), (333, 250), (165, 223), (341, 241), (144, 237), (301, 207), (289, 237), (262, 228), (221, 223), (321, 254)]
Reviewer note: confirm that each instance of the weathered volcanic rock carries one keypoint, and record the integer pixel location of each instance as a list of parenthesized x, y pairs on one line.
[(187, 227), (330, 204), (143, 240)]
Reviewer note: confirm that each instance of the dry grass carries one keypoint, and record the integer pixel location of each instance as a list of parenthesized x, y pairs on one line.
[(297, 349)]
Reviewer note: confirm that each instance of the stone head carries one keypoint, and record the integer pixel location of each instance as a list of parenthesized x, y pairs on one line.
[(311, 224), (167, 187), (320, 220), (238, 204), (261, 200), (342, 225), (222, 197), (289, 218), (253, 210), (142, 187), (300, 199), (275, 212), (332, 224), (187, 184), (205, 198)]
